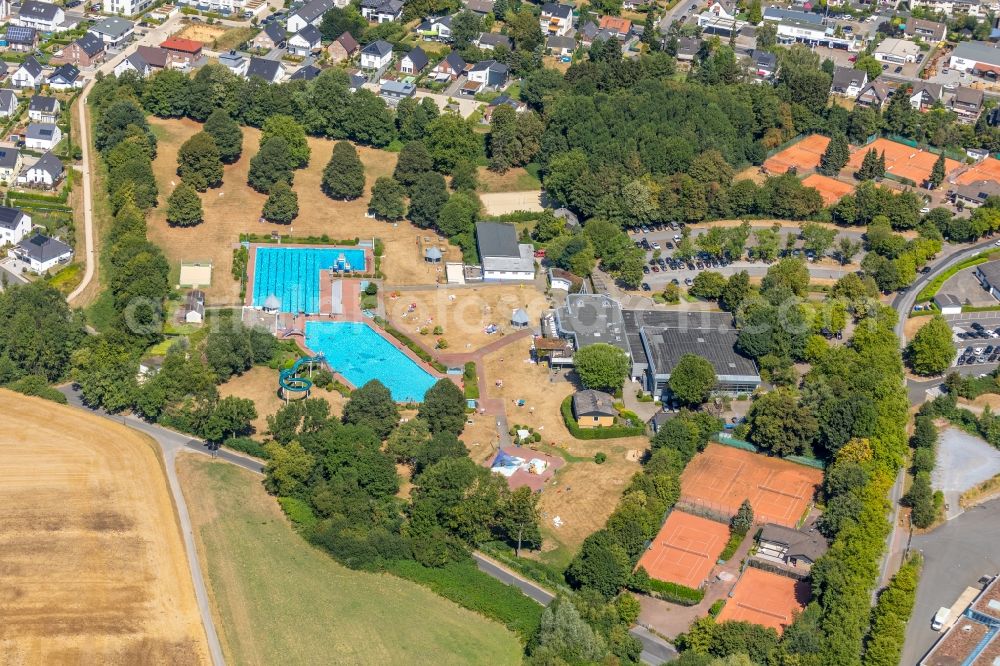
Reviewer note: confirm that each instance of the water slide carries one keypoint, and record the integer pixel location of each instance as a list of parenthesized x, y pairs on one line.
[(289, 382)]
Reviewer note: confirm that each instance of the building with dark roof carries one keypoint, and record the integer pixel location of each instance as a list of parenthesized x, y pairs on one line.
[(28, 75), (413, 62), (490, 40), (263, 68), (45, 173), (594, 409), (155, 57), (43, 16), (589, 319), (502, 257), (271, 37), (989, 277), (975, 194), (848, 81), (42, 253), (8, 102), (65, 77), (382, 11), (376, 55), (42, 136), (10, 164), (450, 68), (14, 225), (309, 14), (112, 30), (930, 31), (306, 73), (790, 548), (21, 38), (43, 109)]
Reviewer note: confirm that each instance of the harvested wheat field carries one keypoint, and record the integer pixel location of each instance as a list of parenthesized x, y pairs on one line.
[(464, 313), (583, 494), (235, 208), (92, 566)]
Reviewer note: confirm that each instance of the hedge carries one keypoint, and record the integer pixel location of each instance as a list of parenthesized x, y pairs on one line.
[(463, 583), (247, 446), (471, 381), (735, 539), (610, 432), (305, 240), (678, 594), (299, 512)]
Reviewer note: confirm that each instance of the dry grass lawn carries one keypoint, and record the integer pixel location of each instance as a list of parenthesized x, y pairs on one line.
[(201, 32), (279, 600), (234, 208), (92, 567), (515, 180), (914, 324), (463, 313), (583, 493)]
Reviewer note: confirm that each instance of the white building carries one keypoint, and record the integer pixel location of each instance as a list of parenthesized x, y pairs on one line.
[(113, 31), (376, 55), (556, 19), (235, 63), (502, 257), (980, 57), (8, 102), (42, 253), (42, 16), (43, 109), (14, 225), (309, 14), (305, 41), (42, 136), (133, 63), (44, 173), (896, 51), (28, 75)]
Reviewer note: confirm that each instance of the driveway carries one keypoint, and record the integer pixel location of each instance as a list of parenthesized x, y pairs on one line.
[(955, 556)]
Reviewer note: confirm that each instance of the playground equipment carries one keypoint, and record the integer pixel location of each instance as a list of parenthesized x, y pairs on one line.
[(297, 386)]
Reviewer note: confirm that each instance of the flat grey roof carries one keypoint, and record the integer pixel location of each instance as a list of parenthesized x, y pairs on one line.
[(978, 51), (991, 271), (592, 318), (496, 239)]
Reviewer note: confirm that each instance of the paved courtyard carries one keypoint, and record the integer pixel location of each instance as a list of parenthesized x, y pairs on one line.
[(963, 461)]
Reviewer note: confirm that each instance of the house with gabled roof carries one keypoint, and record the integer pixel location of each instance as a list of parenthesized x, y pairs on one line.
[(487, 74), (263, 68), (14, 225), (489, 41), (42, 136), (382, 11), (65, 77), (450, 68), (28, 74), (305, 41), (556, 20), (309, 14), (21, 38), (271, 37), (42, 253), (84, 52), (181, 52), (45, 173), (848, 81), (8, 102), (113, 31), (343, 48), (376, 55), (305, 73), (154, 56), (925, 94), (413, 62), (43, 16), (44, 109)]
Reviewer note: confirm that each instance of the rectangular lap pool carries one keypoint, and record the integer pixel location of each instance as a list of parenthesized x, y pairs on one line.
[(292, 274), (360, 354)]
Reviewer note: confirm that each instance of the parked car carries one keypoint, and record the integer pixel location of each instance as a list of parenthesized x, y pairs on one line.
[(688, 281), (645, 269), (898, 69), (646, 287)]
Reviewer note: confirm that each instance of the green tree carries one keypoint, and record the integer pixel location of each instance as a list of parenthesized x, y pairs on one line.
[(227, 134), (287, 469), (443, 408), (870, 64), (407, 439), (38, 332), (601, 565), (166, 94), (835, 156), (184, 206), (105, 371), (230, 417), (344, 175), (931, 350), (451, 139), (459, 215), (465, 25), (708, 285), (465, 176), (429, 195), (271, 164), (737, 290), (519, 518), (818, 238), (869, 166), (756, 15), (282, 205), (920, 498), (565, 637), (780, 424), (788, 277), (937, 172), (372, 405), (293, 133), (198, 162), (602, 366), (414, 161), (524, 29), (743, 520), (388, 200), (336, 21), (767, 244), (692, 379), (847, 249)]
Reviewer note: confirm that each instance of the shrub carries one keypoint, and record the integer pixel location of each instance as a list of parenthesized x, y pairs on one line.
[(298, 511), (678, 594), (247, 446), (600, 457)]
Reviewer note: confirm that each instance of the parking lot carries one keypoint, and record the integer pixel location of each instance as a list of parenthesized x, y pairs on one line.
[(976, 338)]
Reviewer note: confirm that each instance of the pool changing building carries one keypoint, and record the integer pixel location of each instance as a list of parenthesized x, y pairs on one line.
[(655, 340)]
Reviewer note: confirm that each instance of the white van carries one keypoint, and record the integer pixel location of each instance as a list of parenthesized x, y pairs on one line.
[(940, 618)]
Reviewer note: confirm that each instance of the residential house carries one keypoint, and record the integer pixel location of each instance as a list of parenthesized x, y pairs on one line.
[(989, 277), (488, 74), (21, 38), (556, 19), (10, 164), (975, 194), (306, 73), (382, 11), (309, 14), (413, 62), (796, 549), (271, 37), (376, 55), (973, 8), (687, 48), (84, 52), (234, 62), (450, 68), (929, 31), (113, 31), (848, 82), (181, 53), (437, 28), (42, 253), (133, 63), (488, 41), (896, 51), (636, 5), (594, 409), (502, 257), (722, 9), (343, 48), (45, 173), (263, 68), (156, 57), (393, 92), (618, 27), (481, 7), (305, 41), (967, 103), (65, 77), (42, 136), (42, 16), (43, 109), (560, 45), (356, 80), (587, 34), (8, 102), (876, 94), (28, 75), (14, 225), (764, 64), (194, 307), (503, 100), (925, 94)]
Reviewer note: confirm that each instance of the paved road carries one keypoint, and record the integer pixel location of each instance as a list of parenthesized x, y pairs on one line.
[(501, 573), (955, 556)]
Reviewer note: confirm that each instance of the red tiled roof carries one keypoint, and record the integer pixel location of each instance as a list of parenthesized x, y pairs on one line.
[(183, 45)]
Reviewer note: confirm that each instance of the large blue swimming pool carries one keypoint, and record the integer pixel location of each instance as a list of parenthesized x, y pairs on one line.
[(292, 274), (360, 354)]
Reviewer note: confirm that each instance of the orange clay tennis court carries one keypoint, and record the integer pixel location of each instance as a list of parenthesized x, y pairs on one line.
[(685, 549), (766, 599), (830, 189), (988, 169), (901, 160), (721, 477), (803, 155)]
